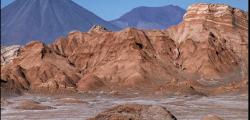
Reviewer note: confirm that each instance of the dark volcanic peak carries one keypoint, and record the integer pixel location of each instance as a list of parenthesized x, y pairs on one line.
[(151, 17), (26, 20)]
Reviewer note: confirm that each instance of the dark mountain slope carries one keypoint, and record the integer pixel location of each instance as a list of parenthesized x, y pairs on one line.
[(26, 20), (151, 17)]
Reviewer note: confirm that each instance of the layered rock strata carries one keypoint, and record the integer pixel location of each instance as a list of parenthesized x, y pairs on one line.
[(198, 56)]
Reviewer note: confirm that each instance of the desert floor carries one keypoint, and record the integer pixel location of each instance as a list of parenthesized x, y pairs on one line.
[(229, 107)]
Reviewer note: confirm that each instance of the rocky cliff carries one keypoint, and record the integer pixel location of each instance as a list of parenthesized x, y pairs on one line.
[(219, 35), (205, 54), (8, 53)]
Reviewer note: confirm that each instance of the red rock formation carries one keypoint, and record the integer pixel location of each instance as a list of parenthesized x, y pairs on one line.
[(217, 35), (211, 43), (8, 53), (135, 112), (39, 67)]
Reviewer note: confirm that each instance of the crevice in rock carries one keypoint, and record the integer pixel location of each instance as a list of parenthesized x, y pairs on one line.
[(139, 45)]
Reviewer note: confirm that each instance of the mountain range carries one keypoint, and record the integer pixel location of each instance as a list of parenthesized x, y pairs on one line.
[(198, 56), (45, 20), (200, 62), (25, 20), (151, 17)]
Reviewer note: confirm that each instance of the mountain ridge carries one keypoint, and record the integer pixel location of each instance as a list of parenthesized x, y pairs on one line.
[(26, 20), (197, 56), (151, 17)]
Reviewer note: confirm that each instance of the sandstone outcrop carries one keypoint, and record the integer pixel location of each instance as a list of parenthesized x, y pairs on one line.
[(213, 39), (197, 56), (8, 53), (38, 67), (135, 112), (98, 28)]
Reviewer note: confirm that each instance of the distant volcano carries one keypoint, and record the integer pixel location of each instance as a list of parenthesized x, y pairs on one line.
[(45, 20), (151, 17)]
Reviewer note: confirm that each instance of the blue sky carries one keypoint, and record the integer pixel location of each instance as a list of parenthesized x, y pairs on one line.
[(112, 9)]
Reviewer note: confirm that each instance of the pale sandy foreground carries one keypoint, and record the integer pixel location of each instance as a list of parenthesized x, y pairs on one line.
[(229, 107)]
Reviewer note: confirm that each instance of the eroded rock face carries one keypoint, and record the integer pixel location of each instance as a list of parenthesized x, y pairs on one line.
[(8, 53), (98, 28), (135, 112), (38, 67), (220, 14), (212, 38), (185, 58)]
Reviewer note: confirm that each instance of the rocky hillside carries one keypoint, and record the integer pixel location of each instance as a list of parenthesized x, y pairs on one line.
[(135, 112), (219, 28), (8, 53), (205, 54)]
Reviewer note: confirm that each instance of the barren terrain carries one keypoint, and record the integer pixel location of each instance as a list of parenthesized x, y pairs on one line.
[(229, 107)]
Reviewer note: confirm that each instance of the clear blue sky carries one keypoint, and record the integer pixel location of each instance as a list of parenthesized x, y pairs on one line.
[(112, 9)]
